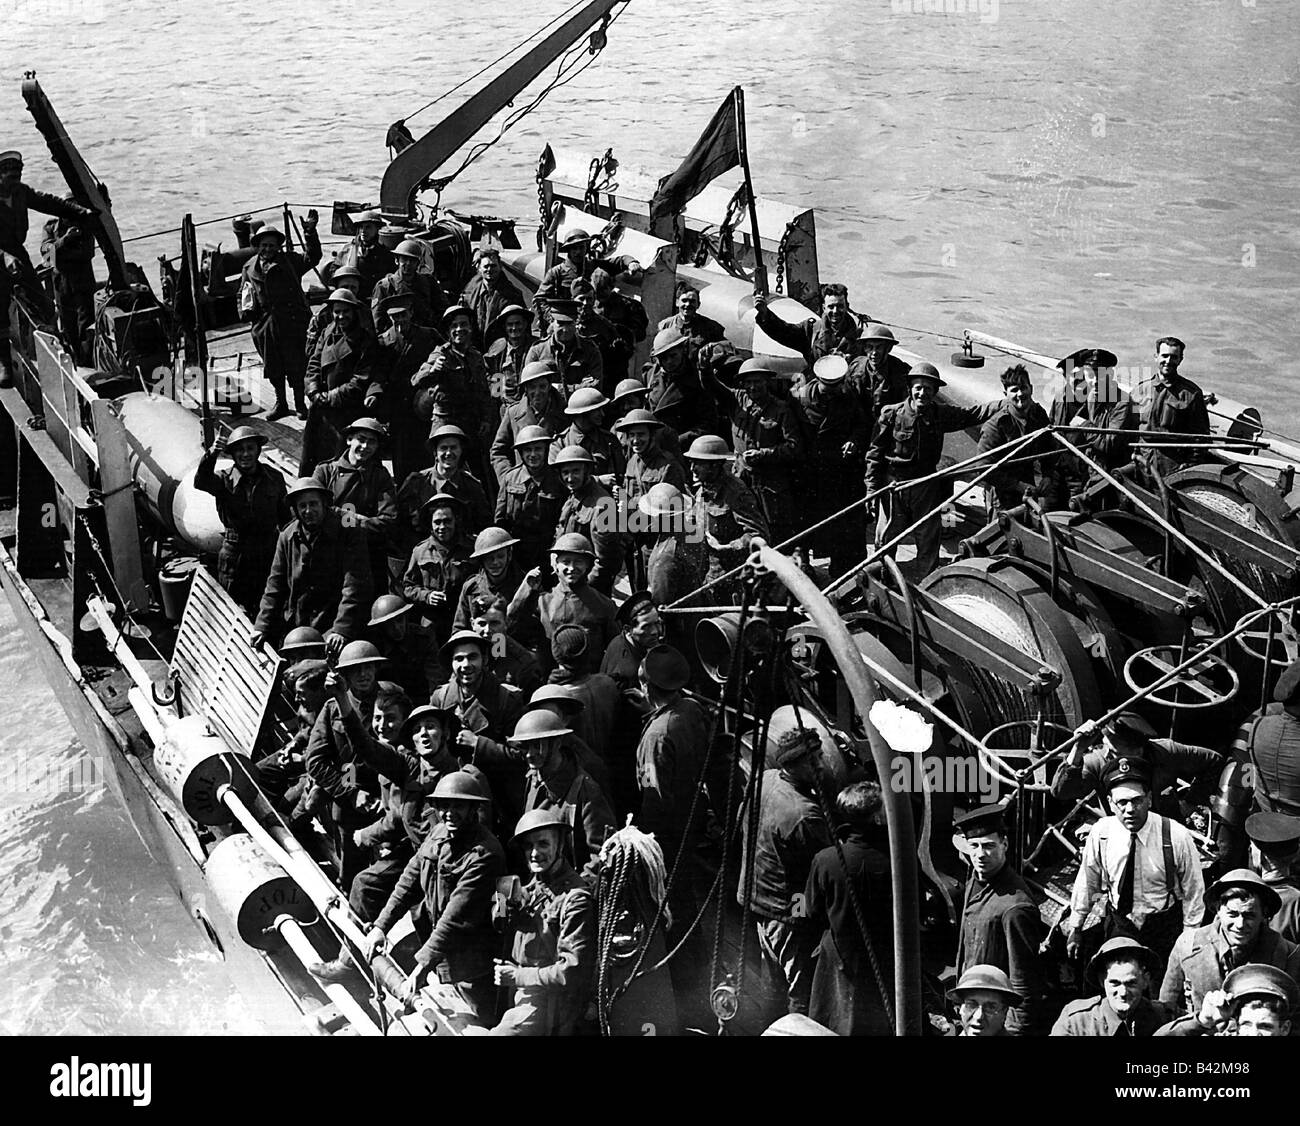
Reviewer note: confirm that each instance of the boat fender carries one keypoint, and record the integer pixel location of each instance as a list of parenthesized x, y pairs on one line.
[(254, 891), (193, 765)]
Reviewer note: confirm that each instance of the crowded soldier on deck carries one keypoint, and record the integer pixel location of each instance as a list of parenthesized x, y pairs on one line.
[(491, 676)]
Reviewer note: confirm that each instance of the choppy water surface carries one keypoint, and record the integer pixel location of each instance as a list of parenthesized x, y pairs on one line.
[(1058, 172)]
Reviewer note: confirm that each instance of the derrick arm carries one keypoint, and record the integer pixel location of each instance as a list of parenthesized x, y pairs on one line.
[(414, 164), (86, 189)]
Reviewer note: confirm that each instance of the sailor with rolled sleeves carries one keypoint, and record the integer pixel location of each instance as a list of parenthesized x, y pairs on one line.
[(584, 418), (908, 444), (505, 350), (488, 711), (539, 404), (1239, 933), (836, 330), (421, 290), (1000, 924), (1125, 971), (272, 300), (1276, 841), (767, 441), (452, 877), (363, 491), (412, 661), (338, 377), (727, 511), (320, 573), (1143, 865), (576, 360), (571, 601), (1129, 735), (1254, 1001), (836, 432), (400, 352), (589, 510), (553, 954), (530, 498), (366, 254), (438, 565), (252, 507)]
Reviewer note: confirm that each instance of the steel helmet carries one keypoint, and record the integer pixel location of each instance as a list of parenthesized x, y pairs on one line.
[(637, 417), (538, 370), (459, 785), (708, 447), (530, 434), (538, 725), (927, 372), (409, 248), (662, 499), (302, 641), (584, 400), (574, 455), (244, 434), (878, 332), (346, 272), (387, 607), (666, 339), (358, 653), (465, 637), (558, 695), (446, 716), (491, 539), (628, 387), (575, 544), (371, 216), (345, 297), (306, 485), (371, 425), (443, 500), (754, 369), (454, 311), (498, 324), (536, 819), (266, 232), (447, 430), (574, 237)]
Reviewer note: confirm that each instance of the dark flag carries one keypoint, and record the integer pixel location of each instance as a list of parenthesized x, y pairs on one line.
[(717, 150)]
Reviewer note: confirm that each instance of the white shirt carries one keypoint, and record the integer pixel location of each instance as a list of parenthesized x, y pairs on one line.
[(1105, 854)]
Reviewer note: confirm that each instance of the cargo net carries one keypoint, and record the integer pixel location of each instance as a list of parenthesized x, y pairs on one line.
[(221, 677)]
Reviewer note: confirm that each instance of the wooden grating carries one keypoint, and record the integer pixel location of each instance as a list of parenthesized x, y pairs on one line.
[(221, 677)]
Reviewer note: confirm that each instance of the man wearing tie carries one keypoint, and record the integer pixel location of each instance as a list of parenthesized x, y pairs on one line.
[(1145, 866)]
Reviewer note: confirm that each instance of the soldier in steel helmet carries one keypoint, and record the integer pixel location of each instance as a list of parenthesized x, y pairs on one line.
[(401, 350), (412, 658), (252, 506), (538, 404), (531, 497), (575, 359), (1126, 972), (451, 879), (674, 391), (1256, 1000), (363, 492), (407, 280), (590, 511), (553, 953), (507, 341), (726, 510), (586, 424), (338, 377), (366, 254)]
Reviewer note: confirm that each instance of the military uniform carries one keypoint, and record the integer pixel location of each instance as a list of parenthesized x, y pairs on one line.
[(581, 802), (505, 364), (1093, 1016), (585, 607), (679, 401), (1112, 449), (322, 581), (592, 512), (829, 480), (1176, 407), (452, 387), (279, 314), (814, 338), (333, 764), (528, 508), (700, 331), (412, 662), (577, 364), (554, 947), (1001, 926), (453, 879), (643, 472), (773, 433), (435, 567), (371, 262), (1202, 957), (907, 445), (252, 507), (490, 713), (426, 484), (514, 418), (605, 449), (70, 252), (427, 299), (323, 317), (338, 374), (1041, 476), (728, 511), (518, 667), (879, 388), (366, 498), (487, 300), (391, 398)]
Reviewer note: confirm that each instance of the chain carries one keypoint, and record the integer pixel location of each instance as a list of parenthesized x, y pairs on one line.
[(782, 252)]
